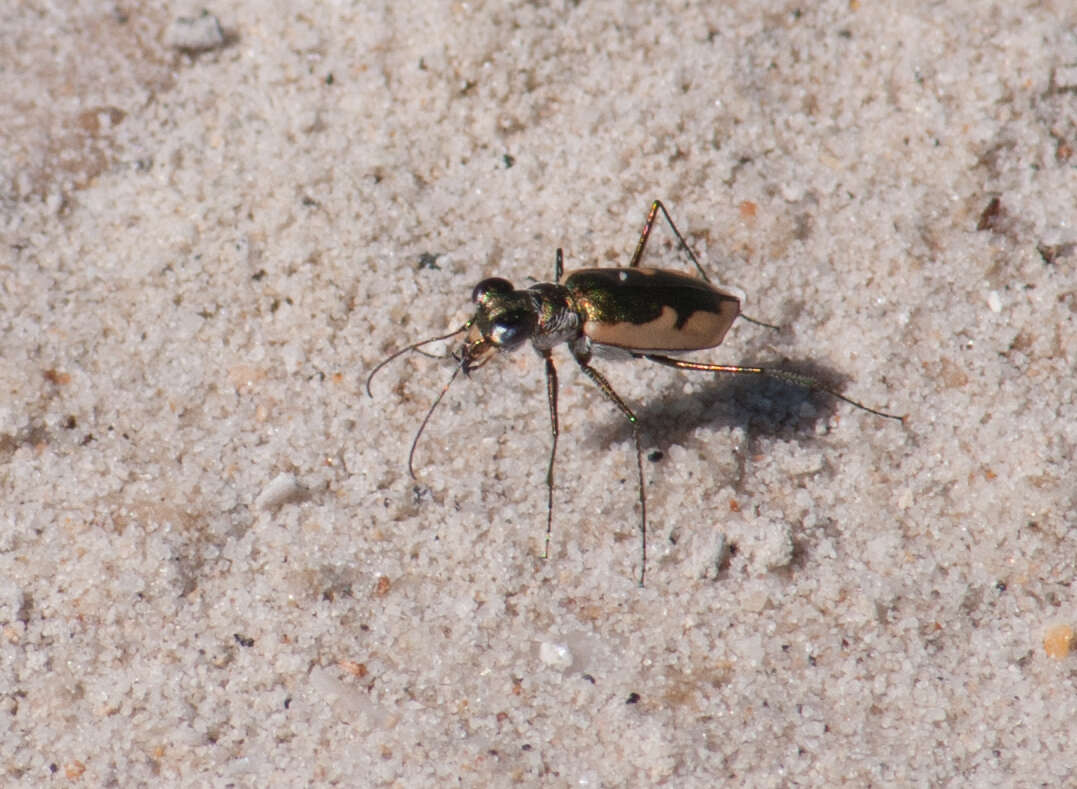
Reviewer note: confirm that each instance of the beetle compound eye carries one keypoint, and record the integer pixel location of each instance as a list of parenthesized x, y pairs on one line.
[(494, 286), (504, 334), (511, 329)]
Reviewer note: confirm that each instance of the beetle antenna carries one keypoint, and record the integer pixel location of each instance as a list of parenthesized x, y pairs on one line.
[(426, 419), (413, 347)]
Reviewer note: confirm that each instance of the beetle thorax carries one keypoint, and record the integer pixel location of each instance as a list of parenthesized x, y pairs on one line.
[(559, 318)]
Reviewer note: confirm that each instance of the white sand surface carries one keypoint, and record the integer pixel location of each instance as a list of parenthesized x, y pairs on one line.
[(214, 567)]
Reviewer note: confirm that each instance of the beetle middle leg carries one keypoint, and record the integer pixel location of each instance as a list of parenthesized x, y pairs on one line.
[(612, 396)]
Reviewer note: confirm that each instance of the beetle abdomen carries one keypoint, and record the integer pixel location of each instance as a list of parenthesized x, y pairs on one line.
[(647, 309)]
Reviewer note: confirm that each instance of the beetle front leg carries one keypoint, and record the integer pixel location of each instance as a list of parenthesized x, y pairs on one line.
[(551, 397)]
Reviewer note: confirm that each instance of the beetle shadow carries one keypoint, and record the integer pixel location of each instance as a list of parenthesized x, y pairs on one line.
[(765, 408)]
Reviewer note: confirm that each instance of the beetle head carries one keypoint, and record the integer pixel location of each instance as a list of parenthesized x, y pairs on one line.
[(504, 319)]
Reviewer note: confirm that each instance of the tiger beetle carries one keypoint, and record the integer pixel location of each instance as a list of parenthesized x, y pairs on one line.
[(646, 312)]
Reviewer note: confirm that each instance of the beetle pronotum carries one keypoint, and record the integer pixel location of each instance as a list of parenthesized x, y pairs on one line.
[(643, 311)]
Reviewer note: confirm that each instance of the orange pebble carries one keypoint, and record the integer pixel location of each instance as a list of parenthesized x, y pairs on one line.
[(1058, 641)]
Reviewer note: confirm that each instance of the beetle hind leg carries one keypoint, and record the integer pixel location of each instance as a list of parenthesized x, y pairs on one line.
[(796, 379), (645, 235)]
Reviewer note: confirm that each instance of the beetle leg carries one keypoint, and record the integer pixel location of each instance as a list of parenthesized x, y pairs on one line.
[(646, 234), (551, 397), (804, 381), (612, 396)]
